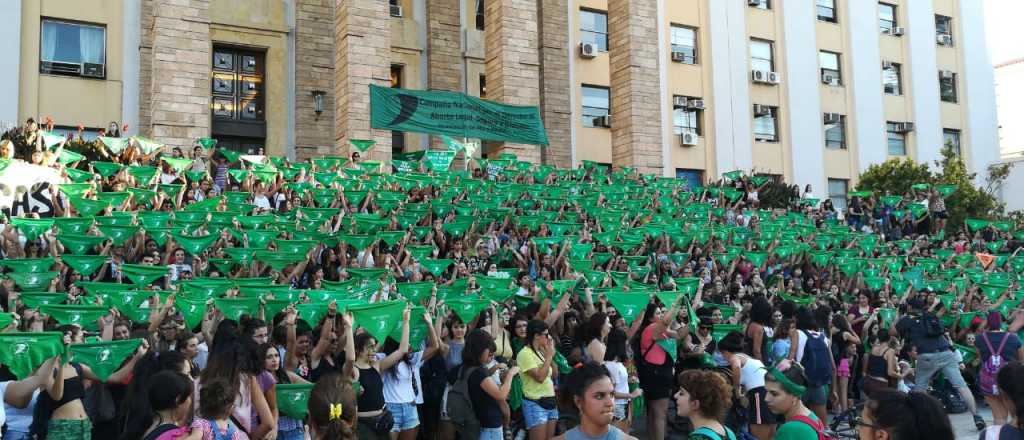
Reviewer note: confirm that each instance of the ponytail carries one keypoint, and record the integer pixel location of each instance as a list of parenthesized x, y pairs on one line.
[(332, 409), (1008, 380)]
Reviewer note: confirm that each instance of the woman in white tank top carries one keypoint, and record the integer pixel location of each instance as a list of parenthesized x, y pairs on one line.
[(748, 385)]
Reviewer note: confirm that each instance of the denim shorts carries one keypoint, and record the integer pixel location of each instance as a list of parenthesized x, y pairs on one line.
[(294, 434), (620, 412), (405, 416), (491, 434), (535, 415), (930, 363)]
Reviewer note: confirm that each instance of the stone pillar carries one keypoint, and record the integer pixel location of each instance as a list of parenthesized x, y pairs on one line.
[(513, 66), (555, 105), (179, 97), (145, 70), (362, 43), (444, 57), (635, 89), (314, 70)]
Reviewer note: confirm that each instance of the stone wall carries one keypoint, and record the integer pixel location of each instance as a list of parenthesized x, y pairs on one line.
[(635, 102), (314, 70), (555, 105), (145, 69), (513, 65), (362, 57), (180, 99), (444, 57)]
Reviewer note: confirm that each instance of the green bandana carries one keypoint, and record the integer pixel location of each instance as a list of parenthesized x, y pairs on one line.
[(143, 175), (6, 319), (371, 273), (118, 235), (379, 319), (418, 329), (107, 169), (671, 347), (629, 305), (192, 309), (178, 165), (276, 260), (788, 385), (363, 145), (358, 241), (104, 358), (32, 281), (88, 207), (32, 228), (946, 190), (84, 316), (28, 265), (436, 267), (37, 300), (73, 190), (24, 352), (234, 308), (718, 331), (69, 157), (76, 176), (293, 399), (467, 308), (196, 245), (312, 313), (143, 275), (147, 146), (295, 246), (85, 265), (114, 145)]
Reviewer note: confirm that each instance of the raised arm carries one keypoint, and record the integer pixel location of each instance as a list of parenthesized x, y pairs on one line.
[(403, 345)]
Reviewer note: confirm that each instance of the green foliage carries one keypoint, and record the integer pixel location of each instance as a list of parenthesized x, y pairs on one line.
[(896, 176), (777, 195)]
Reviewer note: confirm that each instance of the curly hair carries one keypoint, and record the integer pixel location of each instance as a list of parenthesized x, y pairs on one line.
[(708, 388)]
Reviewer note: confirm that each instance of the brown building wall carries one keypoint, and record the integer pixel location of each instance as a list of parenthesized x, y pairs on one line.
[(314, 70)]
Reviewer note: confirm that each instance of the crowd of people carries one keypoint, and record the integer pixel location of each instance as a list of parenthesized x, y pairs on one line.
[(217, 295)]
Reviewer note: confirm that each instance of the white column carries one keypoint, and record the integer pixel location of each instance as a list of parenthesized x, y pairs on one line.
[(924, 81), (10, 52), (802, 86), (977, 90), (868, 120), (132, 31), (731, 106)]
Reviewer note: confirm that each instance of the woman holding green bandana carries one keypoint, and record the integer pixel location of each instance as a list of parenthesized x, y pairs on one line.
[(786, 384)]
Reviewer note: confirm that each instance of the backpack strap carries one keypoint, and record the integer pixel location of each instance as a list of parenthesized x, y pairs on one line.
[(1006, 336), (984, 336), (815, 424), (709, 433)]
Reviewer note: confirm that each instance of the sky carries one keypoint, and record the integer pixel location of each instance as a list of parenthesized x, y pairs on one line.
[(1002, 20)]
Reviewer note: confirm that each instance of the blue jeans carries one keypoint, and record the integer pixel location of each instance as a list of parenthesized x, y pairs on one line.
[(535, 415), (405, 416), (930, 363), (294, 434), (491, 434)]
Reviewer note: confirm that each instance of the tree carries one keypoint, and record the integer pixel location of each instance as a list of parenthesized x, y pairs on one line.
[(895, 176)]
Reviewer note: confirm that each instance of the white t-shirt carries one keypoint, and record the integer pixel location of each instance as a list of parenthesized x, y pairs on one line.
[(620, 378), (398, 380), (17, 419)]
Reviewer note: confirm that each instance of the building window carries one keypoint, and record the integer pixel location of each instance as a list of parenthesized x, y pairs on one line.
[(897, 139), (483, 86), (766, 125), (886, 17), (595, 104), (947, 86), (830, 72), (686, 120), (761, 4), (693, 178), (684, 43), (891, 78), (397, 137), (835, 131), (73, 49), (480, 14), (837, 189), (761, 56), (827, 11), (396, 9), (944, 30), (594, 28), (951, 138)]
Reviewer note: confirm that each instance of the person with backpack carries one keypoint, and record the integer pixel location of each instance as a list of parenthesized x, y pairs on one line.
[(903, 416), (1011, 392), (922, 329), (787, 384), (704, 397), (589, 388), (810, 347), (996, 348), (474, 401)]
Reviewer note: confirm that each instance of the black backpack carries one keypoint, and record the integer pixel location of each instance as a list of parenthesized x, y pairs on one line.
[(460, 406), (932, 326)]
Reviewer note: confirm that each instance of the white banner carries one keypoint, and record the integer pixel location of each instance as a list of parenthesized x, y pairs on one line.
[(25, 188)]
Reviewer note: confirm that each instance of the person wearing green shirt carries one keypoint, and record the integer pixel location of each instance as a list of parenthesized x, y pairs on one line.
[(786, 384)]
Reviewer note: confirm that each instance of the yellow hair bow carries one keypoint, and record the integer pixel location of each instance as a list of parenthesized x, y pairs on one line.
[(335, 411)]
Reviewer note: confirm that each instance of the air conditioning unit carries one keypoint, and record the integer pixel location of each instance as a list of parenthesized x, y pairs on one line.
[(60, 68), (897, 31), (588, 50), (603, 121), (946, 74), (688, 138), (759, 76), (944, 39), (396, 11), (679, 102), (887, 64), (695, 104), (906, 127), (753, 2), (827, 78), (93, 70), (832, 118), (761, 110), (774, 78)]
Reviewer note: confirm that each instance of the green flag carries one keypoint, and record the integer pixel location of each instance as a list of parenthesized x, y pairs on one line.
[(629, 305), (379, 319), (293, 399), (104, 358), (84, 316), (24, 352), (143, 275)]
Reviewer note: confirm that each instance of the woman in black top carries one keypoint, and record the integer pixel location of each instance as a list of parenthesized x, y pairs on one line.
[(371, 399), (169, 399), (489, 399)]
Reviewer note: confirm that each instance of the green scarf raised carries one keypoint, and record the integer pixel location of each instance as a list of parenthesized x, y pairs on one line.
[(104, 358)]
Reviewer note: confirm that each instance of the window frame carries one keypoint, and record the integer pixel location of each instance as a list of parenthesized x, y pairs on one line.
[(481, 18), (841, 125), (894, 135), (583, 107), (837, 72), (839, 199), (690, 175), (81, 63), (764, 5), (957, 146), (773, 137), (949, 28), (693, 50), (771, 54), (834, 18), (694, 116), (892, 24), (950, 84), (600, 37), (897, 68)]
